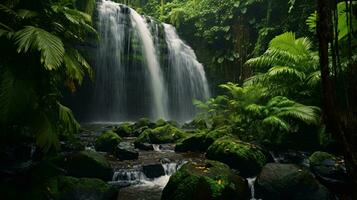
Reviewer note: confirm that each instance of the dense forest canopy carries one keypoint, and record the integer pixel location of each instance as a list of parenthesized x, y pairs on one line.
[(281, 74)]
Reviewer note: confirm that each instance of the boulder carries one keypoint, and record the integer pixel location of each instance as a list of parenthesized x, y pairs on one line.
[(329, 170), (153, 170), (161, 135), (160, 122), (288, 181), (144, 122), (126, 151), (86, 164), (125, 130), (206, 180), (66, 187), (195, 124), (107, 141), (245, 157), (201, 141), (143, 146)]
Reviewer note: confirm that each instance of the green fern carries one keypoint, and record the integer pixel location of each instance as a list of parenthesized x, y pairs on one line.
[(50, 46)]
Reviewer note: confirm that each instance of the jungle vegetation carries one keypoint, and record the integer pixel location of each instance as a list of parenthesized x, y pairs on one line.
[(279, 70)]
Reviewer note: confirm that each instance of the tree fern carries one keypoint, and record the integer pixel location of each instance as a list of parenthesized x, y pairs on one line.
[(50, 46)]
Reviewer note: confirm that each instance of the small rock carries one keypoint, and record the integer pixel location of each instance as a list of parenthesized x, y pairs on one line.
[(143, 146), (126, 151), (153, 170)]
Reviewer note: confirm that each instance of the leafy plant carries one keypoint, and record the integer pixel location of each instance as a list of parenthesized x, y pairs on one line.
[(38, 57)]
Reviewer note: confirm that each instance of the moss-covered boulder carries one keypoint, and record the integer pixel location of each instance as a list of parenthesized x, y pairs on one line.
[(207, 180), (125, 130), (66, 187), (161, 122), (161, 135), (86, 164), (195, 124), (107, 141), (144, 122), (329, 170), (288, 181), (202, 140), (245, 157)]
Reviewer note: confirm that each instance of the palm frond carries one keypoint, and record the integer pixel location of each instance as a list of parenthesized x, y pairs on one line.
[(50, 46)]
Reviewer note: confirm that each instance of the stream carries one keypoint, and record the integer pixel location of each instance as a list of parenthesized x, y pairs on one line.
[(146, 177)]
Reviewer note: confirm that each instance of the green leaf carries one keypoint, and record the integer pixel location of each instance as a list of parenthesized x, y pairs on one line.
[(50, 46)]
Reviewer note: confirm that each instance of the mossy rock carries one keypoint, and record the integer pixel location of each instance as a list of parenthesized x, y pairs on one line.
[(206, 180), (107, 141), (319, 157), (87, 164), (125, 130), (161, 122), (161, 135), (245, 157), (144, 122), (288, 181), (195, 124), (66, 187), (330, 171), (202, 140)]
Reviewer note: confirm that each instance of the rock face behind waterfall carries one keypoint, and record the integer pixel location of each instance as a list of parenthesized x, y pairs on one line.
[(142, 69)]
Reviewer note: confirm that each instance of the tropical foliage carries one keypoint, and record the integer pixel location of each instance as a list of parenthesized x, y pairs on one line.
[(39, 56)]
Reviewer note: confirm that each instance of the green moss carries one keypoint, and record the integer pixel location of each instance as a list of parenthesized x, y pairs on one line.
[(144, 122), (202, 140), (318, 157), (66, 187), (125, 129), (107, 141), (205, 180), (245, 157), (161, 135), (160, 122), (87, 164)]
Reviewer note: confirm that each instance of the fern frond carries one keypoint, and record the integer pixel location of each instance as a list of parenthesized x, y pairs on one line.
[(285, 72), (67, 119), (46, 132), (50, 46), (277, 122)]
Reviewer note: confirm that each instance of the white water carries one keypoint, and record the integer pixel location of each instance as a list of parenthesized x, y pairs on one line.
[(187, 76), (157, 81), (251, 182), (137, 177), (142, 69)]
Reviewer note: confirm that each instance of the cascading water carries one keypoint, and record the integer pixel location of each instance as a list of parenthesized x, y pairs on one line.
[(186, 77), (134, 77)]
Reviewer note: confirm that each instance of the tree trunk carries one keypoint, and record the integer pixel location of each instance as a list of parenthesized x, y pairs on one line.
[(339, 121)]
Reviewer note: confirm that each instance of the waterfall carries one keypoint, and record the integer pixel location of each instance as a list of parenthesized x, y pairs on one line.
[(187, 79), (157, 82), (142, 69)]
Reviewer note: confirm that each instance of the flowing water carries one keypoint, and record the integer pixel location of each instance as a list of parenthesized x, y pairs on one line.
[(142, 69)]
